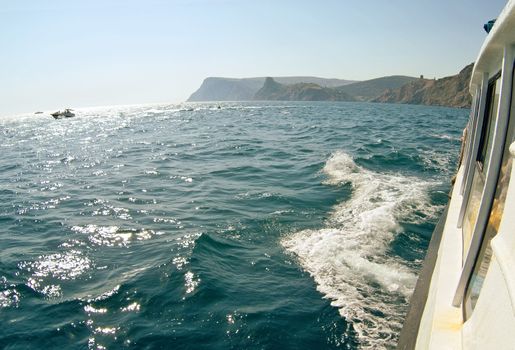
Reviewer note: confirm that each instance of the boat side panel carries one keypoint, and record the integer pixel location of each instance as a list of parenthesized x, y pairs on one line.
[(492, 323), (408, 336), (440, 326)]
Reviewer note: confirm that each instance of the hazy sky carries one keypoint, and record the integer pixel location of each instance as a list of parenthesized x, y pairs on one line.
[(55, 54)]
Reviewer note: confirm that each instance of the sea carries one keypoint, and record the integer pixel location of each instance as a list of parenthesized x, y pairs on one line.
[(260, 225)]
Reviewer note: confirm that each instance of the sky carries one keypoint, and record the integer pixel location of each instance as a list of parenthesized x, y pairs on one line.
[(56, 54)]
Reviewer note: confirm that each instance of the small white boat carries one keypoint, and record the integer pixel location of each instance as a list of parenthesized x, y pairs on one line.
[(465, 294), (67, 113)]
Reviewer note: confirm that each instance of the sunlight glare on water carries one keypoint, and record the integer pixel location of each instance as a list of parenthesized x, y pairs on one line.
[(256, 225)]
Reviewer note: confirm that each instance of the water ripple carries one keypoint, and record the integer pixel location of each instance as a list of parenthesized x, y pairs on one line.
[(173, 224)]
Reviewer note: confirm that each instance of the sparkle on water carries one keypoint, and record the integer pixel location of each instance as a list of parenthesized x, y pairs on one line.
[(253, 225)]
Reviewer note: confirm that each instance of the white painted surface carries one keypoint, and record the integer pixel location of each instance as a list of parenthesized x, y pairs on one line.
[(441, 323)]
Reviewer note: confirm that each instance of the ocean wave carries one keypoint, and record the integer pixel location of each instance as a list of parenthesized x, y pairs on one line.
[(446, 137), (349, 258)]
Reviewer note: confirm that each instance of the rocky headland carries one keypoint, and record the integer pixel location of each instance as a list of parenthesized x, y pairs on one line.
[(274, 91), (245, 89), (450, 91)]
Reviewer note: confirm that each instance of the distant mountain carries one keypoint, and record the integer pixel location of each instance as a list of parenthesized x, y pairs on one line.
[(369, 89), (229, 89), (275, 91), (450, 91), (324, 82)]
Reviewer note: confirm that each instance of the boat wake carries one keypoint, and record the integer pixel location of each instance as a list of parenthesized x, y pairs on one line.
[(349, 258)]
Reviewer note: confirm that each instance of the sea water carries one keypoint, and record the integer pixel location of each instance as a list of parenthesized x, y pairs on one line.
[(295, 225)]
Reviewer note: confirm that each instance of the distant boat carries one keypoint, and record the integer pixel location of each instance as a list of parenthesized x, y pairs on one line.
[(67, 113), (38, 112)]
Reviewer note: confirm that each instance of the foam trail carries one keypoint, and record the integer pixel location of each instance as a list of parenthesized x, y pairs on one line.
[(348, 259)]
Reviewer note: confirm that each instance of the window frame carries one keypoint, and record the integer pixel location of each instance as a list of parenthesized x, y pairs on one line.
[(492, 171), (486, 239), (471, 130), (483, 149), (471, 157), (481, 156)]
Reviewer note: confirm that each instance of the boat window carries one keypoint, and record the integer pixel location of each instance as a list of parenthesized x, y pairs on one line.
[(488, 125), (485, 253), (485, 144)]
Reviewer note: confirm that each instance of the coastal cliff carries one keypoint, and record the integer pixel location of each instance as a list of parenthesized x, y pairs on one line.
[(450, 91), (244, 89), (226, 89), (369, 89), (275, 91)]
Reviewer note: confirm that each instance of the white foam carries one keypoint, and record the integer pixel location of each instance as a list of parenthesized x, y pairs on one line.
[(348, 259), (446, 137)]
